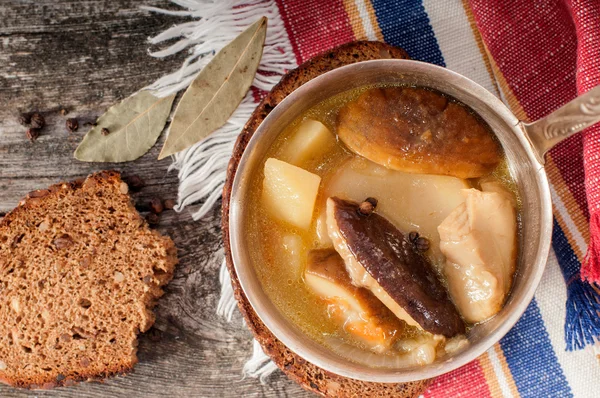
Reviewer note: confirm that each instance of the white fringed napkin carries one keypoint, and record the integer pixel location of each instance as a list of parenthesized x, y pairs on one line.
[(202, 168)]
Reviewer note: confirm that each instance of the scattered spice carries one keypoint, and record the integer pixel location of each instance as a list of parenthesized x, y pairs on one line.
[(413, 236), (37, 121), (152, 218), (63, 111), (72, 124), (32, 134), (156, 206), (422, 244), (135, 182), (169, 204), (213, 94), (367, 207), (104, 131), (24, 119)]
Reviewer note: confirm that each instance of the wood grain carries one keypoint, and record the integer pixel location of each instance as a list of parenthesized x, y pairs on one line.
[(85, 55)]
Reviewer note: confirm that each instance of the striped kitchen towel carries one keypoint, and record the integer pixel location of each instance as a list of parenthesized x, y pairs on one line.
[(524, 51)]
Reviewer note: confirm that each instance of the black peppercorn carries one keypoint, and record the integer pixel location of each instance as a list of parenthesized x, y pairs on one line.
[(422, 244), (156, 206), (367, 207), (413, 236), (135, 182), (72, 124), (37, 121), (32, 134), (169, 204)]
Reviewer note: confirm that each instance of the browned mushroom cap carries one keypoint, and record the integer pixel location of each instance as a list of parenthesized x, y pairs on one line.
[(393, 262), (417, 131)]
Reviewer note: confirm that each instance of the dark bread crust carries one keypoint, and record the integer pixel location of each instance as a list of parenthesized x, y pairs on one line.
[(35, 201), (309, 376)]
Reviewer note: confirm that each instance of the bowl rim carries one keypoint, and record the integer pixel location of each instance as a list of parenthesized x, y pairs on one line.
[(398, 375)]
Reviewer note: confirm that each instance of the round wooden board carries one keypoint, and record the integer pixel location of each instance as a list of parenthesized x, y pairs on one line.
[(296, 368)]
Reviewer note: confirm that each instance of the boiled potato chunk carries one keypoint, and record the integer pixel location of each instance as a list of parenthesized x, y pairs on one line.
[(289, 192), (412, 202), (312, 140)]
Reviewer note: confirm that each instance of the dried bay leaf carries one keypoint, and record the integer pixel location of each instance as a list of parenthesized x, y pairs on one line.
[(217, 91), (134, 125)]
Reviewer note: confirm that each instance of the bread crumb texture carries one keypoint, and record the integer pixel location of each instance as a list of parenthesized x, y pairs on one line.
[(79, 274)]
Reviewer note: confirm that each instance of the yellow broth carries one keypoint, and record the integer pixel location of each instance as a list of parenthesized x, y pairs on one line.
[(280, 272)]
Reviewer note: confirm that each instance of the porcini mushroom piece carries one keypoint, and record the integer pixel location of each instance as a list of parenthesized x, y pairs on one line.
[(379, 258), (357, 309), (417, 131)]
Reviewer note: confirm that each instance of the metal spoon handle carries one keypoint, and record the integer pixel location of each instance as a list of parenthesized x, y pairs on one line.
[(569, 119)]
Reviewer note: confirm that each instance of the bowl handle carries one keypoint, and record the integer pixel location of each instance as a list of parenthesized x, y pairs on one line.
[(569, 119)]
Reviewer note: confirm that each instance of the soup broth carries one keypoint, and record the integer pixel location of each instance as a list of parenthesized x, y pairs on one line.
[(279, 250)]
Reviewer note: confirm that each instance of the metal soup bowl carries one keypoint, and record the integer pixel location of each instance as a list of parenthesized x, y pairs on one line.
[(524, 146)]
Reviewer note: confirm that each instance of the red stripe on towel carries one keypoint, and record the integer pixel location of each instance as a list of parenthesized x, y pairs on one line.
[(468, 381), (537, 56), (326, 25)]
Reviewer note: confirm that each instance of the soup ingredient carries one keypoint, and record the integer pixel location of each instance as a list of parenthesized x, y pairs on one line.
[(417, 131), (311, 142), (479, 240), (423, 347), (357, 309), (412, 202), (379, 258), (456, 344), (294, 251), (217, 90), (289, 192)]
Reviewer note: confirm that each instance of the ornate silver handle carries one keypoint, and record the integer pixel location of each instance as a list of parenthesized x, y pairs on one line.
[(569, 119)]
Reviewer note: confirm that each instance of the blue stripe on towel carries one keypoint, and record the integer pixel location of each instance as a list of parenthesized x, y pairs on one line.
[(405, 24), (531, 359)]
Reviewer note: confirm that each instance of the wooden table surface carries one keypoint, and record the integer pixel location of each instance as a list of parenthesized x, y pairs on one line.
[(83, 56)]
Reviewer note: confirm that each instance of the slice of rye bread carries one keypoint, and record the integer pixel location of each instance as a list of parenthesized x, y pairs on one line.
[(79, 274), (309, 376)]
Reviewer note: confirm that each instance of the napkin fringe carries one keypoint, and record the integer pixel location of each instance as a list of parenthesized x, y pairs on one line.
[(590, 270), (202, 167), (582, 325)]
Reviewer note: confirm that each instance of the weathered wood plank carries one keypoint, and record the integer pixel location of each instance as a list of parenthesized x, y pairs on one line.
[(84, 56)]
